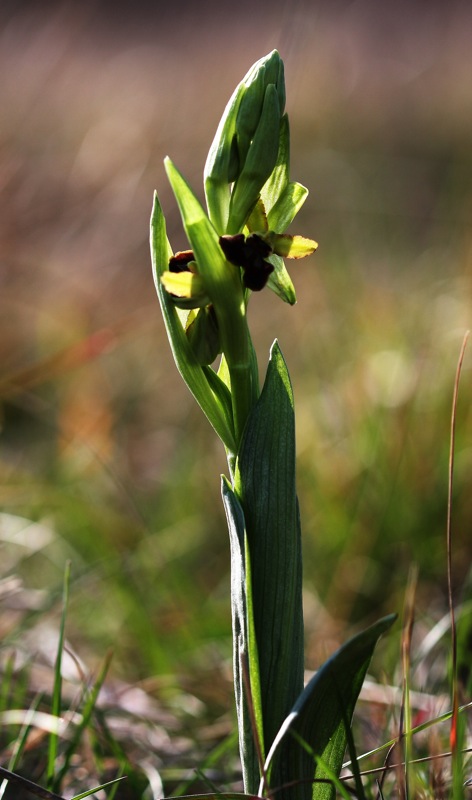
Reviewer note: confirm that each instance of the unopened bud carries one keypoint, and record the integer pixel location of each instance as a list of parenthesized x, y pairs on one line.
[(204, 336), (268, 71), (244, 150), (260, 161)]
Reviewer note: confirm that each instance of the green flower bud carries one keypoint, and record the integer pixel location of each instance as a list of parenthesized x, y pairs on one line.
[(204, 336), (266, 72), (243, 149), (260, 161)]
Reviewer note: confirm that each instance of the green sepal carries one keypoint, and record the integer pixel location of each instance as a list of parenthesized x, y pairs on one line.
[(265, 484), (282, 198), (316, 726), (287, 206), (212, 396), (279, 177), (280, 281)]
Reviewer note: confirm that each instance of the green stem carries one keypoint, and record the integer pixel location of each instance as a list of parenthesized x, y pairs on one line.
[(244, 383), (242, 392), (230, 308)]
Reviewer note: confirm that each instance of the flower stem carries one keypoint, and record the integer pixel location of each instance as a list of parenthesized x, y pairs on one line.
[(242, 367)]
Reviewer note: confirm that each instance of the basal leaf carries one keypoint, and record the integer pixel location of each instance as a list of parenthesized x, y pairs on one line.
[(245, 655), (319, 718), (265, 484)]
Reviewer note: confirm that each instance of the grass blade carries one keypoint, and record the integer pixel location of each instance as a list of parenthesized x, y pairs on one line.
[(359, 786), (405, 736), (6, 682), (227, 745), (57, 688), (456, 732), (87, 712), (98, 788)]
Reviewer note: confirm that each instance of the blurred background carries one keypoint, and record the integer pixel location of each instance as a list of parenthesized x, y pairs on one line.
[(104, 458)]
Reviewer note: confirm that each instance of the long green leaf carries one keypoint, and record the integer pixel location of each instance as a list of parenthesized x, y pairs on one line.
[(220, 279), (319, 718), (244, 645), (222, 282), (265, 484), (211, 395)]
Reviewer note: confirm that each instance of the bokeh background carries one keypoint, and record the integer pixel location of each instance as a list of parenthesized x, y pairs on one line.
[(104, 458)]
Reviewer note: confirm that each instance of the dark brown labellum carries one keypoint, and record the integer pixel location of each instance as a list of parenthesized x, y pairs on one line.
[(180, 261), (255, 278), (250, 254)]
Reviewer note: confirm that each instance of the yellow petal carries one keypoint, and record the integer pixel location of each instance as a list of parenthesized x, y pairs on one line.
[(182, 284), (292, 246)]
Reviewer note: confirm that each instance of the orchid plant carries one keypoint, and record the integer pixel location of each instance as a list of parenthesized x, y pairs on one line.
[(292, 738)]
